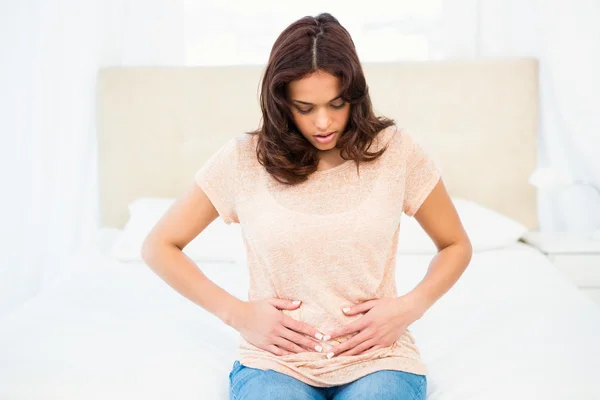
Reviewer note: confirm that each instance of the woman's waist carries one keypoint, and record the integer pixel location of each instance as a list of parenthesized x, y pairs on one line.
[(322, 311), (327, 293), (322, 301)]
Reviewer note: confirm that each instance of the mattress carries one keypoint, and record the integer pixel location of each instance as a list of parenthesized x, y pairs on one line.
[(512, 327)]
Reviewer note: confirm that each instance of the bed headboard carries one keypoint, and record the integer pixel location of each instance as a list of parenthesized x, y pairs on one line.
[(478, 118)]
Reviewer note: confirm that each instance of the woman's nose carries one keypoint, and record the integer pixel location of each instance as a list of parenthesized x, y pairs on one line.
[(323, 121)]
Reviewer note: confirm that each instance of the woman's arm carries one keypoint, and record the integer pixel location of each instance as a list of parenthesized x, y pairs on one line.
[(162, 252), (438, 217)]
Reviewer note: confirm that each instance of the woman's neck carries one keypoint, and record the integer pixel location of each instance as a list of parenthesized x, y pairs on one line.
[(329, 159)]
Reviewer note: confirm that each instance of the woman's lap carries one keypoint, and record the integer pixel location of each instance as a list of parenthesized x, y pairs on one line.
[(253, 384), (384, 385)]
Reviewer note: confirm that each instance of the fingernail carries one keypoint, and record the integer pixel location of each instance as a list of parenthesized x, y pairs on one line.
[(318, 336), (329, 355), (296, 302), (318, 348), (346, 310), (326, 337)]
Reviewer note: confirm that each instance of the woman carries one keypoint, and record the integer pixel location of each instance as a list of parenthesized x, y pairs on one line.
[(319, 191)]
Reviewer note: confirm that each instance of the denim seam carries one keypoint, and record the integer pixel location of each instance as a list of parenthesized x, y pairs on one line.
[(420, 394)]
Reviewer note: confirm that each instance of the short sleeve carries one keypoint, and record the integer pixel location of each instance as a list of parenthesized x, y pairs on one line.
[(421, 175), (218, 179)]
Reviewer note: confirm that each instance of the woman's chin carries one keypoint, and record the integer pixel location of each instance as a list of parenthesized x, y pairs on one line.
[(324, 147)]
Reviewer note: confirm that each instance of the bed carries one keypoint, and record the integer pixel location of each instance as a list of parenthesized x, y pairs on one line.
[(512, 327)]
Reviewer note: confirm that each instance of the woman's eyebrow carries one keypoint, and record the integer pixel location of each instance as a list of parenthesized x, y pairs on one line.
[(311, 104)]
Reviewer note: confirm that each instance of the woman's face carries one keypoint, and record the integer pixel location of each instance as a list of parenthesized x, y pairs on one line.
[(319, 112)]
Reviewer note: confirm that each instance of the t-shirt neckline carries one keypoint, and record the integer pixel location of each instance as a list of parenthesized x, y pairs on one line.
[(332, 169)]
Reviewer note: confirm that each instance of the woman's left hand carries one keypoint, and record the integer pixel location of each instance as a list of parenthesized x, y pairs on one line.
[(383, 322)]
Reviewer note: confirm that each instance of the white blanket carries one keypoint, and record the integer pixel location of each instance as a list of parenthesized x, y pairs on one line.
[(512, 327)]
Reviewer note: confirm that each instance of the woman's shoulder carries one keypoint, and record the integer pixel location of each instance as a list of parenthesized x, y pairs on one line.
[(390, 138), (237, 152), (402, 146), (396, 139), (238, 146), (244, 146), (246, 142)]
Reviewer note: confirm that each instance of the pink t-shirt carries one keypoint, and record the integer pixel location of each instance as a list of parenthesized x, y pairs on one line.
[(330, 241)]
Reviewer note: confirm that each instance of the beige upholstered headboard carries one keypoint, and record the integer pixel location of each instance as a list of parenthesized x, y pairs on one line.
[(156, 126)]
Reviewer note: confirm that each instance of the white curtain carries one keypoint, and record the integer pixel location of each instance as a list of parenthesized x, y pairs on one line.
[(51, 52), (47, 74)]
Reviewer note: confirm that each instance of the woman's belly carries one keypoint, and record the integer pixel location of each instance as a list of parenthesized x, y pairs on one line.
[(324, 319)]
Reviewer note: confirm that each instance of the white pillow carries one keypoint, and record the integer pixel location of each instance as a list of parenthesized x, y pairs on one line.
[(219, 242), (486, 228)]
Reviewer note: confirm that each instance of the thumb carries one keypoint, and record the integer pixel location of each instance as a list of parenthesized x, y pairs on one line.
[(359, 308), (284, 304)]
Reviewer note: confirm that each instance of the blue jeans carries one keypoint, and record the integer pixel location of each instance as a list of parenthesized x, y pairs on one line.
[(255, 384)]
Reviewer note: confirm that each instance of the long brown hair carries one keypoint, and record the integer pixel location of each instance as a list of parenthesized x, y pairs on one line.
[(308, 45)]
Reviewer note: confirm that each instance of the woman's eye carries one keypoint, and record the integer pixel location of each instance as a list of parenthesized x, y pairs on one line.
[(338, 104), (304, 111)]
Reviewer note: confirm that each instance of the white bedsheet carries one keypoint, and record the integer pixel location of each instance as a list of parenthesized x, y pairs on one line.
[(512, 327)]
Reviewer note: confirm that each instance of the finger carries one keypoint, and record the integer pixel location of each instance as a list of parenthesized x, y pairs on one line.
[(284, 304), (361, 348), (359, 308), (355, 326), (301, 327), (285, 344), (301, 340), (277, 351), (372, 349), (350, 343)]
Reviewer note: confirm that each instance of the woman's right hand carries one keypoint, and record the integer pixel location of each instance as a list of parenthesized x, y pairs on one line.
[(262, 324)]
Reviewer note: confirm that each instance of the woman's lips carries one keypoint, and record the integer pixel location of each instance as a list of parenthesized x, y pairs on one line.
[(326, 138)]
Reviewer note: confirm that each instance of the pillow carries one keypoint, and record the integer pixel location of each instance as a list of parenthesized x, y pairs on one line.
[(219, 242), (487, 230)]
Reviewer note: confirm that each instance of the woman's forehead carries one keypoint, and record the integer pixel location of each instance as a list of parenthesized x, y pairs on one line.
[(318, 87)]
